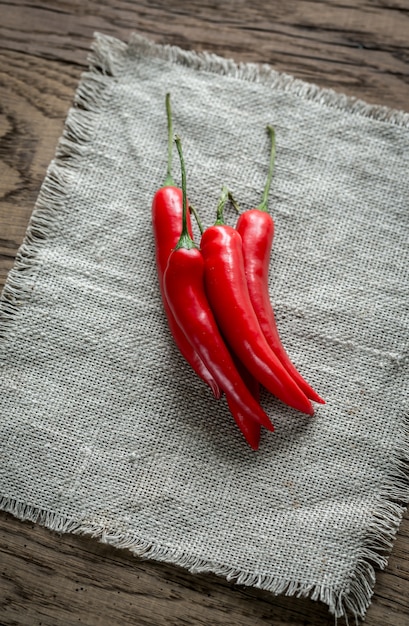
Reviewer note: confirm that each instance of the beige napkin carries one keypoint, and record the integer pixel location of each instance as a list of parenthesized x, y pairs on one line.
[(105, 430)]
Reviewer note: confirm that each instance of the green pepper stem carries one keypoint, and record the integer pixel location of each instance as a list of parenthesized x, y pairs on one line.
[(234, 202), (224, 196), (185, 240), (169, 182), (263, 204), (193, 210)]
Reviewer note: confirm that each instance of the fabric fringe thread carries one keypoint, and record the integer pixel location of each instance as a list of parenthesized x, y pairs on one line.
[(106, 63), (49, 210), (353, 601), (263, 73)]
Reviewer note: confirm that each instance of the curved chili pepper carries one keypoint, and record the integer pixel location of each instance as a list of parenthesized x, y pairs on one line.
[(185, 293), (226, 288), (167, 227), (256, 227)]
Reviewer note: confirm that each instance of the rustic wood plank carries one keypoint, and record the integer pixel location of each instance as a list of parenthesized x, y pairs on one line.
[(35, 96), (357, 47), (101, 585), (49, 579)]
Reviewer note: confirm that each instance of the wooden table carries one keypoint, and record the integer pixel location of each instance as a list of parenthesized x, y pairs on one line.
[(356, 46)]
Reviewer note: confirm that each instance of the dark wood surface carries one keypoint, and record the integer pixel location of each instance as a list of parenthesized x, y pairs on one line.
[(359, 47)]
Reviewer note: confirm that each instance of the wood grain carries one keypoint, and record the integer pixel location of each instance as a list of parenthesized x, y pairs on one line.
[(355, 46), (52, 580)]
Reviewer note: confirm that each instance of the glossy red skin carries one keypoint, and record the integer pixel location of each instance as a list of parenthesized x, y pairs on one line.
[(257, 231), (185, 293), (167, 226), (250, 429), (226, 288)]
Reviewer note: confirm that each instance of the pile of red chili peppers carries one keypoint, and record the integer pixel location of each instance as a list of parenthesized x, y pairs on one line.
[(217, 302)]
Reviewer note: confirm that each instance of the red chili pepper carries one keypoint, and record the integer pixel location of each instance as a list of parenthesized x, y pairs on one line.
[(185, 293), (228, 294), (250, 429), (167, 227), (256, 227)]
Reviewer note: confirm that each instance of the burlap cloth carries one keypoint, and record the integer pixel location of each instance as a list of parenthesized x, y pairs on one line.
[(104, 428)]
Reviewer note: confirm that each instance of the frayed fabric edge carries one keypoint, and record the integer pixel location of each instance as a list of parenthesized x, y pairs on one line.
[(106, 61), (89, 100), (265, 74), (341, 603)]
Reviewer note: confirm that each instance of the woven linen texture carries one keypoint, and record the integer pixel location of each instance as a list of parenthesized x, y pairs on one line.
[(104, 429)]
